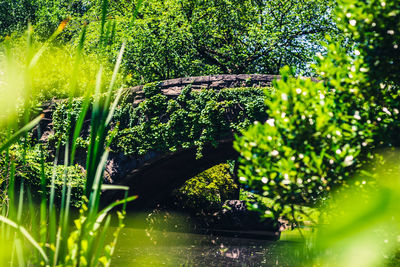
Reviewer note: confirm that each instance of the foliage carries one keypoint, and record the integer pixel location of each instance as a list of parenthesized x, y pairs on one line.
[(177, 38), (64, 119), (187, 38), (162, 124), (363, 228), (207, 190), (53, 69), (28, 167), (45, 15), (193, 119), (319, 134), (159, 124), (52, 241), (15, 14), (356, 228)]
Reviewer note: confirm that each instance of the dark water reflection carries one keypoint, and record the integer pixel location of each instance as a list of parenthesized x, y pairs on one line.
[(136, 248)]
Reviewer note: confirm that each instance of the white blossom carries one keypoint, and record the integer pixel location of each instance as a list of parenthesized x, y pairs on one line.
[(387, 111), (271, 122), (274, 153), (286, 180), (348, 160)]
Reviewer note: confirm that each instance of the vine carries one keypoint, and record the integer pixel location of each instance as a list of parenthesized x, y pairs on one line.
[(192, 119), (163, 124)]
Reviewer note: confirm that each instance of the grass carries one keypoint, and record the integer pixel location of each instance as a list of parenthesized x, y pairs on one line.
[(44, 234)]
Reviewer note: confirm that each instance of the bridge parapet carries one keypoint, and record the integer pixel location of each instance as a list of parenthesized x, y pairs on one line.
[(174, 87)]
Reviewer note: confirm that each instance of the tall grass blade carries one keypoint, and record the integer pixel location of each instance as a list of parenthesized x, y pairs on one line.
[(105, 187), (11, 191), (115, 72), (19, 250), (31, 211), (43, 210), (57, 246), (113, 107), (29, 44), (136, 11), (100, 243), (113, 30), (77, 62), (45, 46), (20, 201), (64, 186), (67, 209), (78, 127), (92, 157), (52, 210), (26, 234), (95, 196), (60, 245)]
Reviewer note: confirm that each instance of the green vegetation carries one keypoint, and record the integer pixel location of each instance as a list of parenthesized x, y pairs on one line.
[(174, 38), (158, 124), (193, 119), (310, 150), (162, 124), (44, 234), (187, 38), (208, 190), (319, 135), (29, 168)]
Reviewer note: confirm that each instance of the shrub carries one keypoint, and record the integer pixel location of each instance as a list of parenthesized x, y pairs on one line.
[(207, 190), (320, 134)]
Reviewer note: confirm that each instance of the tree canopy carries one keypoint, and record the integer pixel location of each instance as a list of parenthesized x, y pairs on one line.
[(176, 38), (184, 38)]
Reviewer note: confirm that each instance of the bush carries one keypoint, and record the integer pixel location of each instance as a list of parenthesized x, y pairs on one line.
[(207, 190), (320, 134), (29, 167)]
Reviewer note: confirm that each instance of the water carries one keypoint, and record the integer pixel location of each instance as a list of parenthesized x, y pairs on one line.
[(162, 248)]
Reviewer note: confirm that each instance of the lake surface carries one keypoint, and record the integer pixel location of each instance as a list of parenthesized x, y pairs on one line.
[(138, 247)]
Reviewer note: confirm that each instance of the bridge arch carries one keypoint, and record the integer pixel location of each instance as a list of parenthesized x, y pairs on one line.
[(155, 179), (156, 174)]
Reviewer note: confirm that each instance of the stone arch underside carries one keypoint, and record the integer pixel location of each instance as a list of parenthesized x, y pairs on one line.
[(155, 180)]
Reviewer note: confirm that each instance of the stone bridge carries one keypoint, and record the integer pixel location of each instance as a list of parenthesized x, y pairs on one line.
[(156, 174)]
